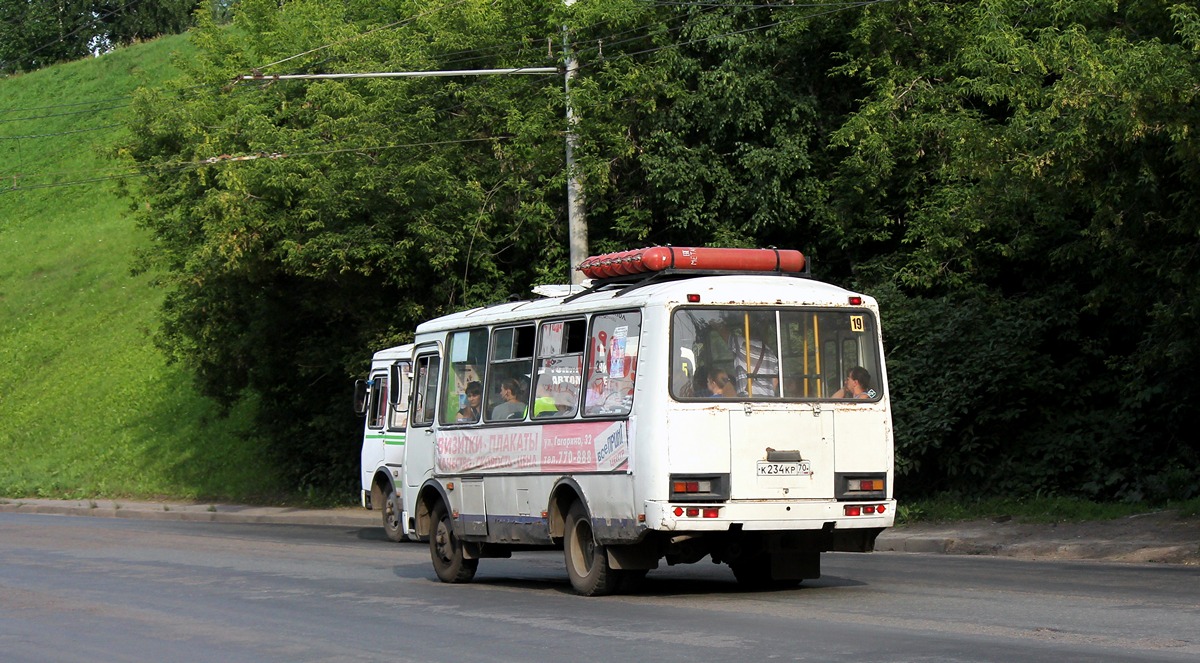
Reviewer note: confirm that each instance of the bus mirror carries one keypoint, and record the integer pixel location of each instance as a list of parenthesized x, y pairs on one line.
[(360, 397)]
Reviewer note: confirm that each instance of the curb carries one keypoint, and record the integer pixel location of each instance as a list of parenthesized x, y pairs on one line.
[(191, 512), (1095, 541)]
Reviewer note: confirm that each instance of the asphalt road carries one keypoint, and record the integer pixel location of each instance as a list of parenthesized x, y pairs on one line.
[(115, 589)]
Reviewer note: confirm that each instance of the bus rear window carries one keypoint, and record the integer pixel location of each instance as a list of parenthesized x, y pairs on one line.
[(777, 354)]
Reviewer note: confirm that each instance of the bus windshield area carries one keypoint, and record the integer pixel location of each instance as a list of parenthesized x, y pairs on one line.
[(778, 354)]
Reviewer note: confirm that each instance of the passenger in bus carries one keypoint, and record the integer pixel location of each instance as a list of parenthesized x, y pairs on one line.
[(513, 406), (544, 405), (719, 384), (763, 362), (856, 385), (470, 412)]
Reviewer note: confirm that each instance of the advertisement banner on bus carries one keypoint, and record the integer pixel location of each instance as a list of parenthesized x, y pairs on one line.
[(599, 446)]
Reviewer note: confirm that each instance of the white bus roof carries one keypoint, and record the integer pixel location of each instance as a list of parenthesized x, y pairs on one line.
[(722, 290), (392, 354)]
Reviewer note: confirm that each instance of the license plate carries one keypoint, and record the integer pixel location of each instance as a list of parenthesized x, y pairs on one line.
[(793, 469)]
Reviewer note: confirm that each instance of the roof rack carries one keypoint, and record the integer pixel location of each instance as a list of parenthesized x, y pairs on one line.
[(631, 270), (657, 258)]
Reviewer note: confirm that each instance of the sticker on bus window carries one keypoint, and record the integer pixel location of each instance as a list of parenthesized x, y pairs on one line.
[(857, 324)]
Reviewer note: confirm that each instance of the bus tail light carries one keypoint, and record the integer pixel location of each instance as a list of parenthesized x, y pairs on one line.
[(699, 487), (697, 512), (860, 486), (692, 486), (864, 509)]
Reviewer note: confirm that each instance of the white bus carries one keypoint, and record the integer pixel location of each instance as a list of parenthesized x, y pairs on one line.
[(659, 416), (384, 434)]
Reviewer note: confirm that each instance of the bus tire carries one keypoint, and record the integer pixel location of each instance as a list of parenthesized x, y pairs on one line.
[(586, 560), (447, 551), (391, 516)]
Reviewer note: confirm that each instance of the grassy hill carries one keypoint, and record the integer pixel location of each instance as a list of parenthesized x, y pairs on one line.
[(88, 406)]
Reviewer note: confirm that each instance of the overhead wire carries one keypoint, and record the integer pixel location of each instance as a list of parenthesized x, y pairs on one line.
[(63, 133), (68, 105), (95, 18), (835, 7), (151, 169)]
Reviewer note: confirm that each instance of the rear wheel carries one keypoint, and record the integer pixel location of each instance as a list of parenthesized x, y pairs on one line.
[(391, 516), (446, 550), (587, 561)]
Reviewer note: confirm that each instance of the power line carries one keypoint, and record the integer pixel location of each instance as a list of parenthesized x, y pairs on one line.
[(62, 133), (42, 117), (71, 105), (359, 36), (765, 26), (95, 19), (834, 7), (222, 159)]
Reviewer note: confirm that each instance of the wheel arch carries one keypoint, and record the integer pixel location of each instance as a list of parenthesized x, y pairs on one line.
[(430, 494), (566, 492), (381, 483)]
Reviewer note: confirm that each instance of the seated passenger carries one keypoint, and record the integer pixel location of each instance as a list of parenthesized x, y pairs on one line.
[(513, 406), (544, 405), (470, 412), (720, 385), (856, 385)]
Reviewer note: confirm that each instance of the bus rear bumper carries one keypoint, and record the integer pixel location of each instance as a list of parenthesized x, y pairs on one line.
[(767, 515)]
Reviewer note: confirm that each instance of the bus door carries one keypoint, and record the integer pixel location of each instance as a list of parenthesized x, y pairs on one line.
[(422, 434), (374, 442), (397, 419)]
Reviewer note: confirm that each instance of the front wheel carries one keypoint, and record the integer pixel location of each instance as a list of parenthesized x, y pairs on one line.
[(391, 517), (587, 561), (446, 550)]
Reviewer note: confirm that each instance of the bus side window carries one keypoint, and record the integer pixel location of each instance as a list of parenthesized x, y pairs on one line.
[(466, 356), (506, 395), (426, 389), (378, 401), (399, 418), (560, 368), (612, 364)]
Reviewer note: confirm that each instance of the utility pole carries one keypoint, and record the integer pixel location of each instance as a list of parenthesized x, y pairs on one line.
[(577, 231), (576, 220)]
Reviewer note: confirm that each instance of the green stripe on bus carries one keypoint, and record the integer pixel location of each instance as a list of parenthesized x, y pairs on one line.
[(388, 439)]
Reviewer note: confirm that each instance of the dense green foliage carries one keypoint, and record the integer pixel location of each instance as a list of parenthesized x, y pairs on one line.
[(88, 406), (1037, 162), (35, 33), (1016, 180)]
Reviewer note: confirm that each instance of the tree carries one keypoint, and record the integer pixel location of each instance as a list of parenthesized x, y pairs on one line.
[(1015, 180), (357, 209), (36, 33), (1045, 155), (124, 22)]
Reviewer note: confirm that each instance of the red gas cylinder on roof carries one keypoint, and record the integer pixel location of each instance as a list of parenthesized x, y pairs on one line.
[(658, 258)]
